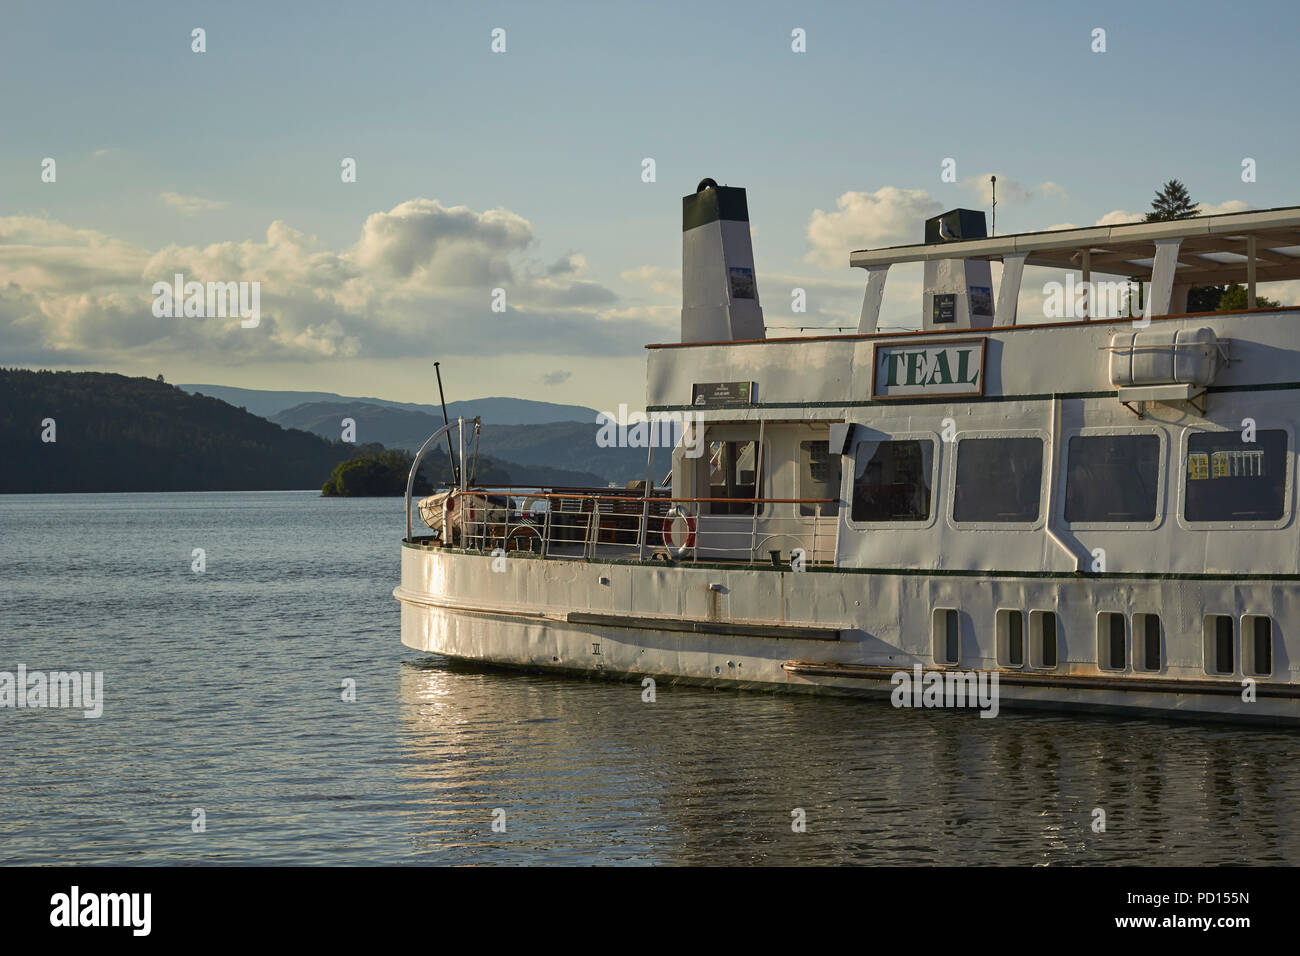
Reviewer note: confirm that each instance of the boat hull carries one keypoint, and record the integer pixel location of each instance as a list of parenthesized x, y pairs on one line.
[(838, 631)]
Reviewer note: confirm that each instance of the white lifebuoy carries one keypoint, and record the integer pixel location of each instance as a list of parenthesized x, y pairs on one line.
[(676, 511)]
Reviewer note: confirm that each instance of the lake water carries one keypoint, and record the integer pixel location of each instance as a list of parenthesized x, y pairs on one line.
[(223, 691)]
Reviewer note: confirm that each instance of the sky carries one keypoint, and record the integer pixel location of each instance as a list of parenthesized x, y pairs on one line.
[(524, 170)]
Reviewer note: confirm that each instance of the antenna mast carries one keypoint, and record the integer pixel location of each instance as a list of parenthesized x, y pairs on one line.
[(993, 231), (455, 471)]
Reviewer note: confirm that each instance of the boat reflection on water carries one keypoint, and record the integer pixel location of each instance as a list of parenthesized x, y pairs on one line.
[(589, 772)]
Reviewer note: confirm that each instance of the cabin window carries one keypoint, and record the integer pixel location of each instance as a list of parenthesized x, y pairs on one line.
[(998, 479), (1043, 639), (1219, 637), (1257, 645), (1011, 638), (733, 474), (1112, 641), (1112, 478), (1233, 480), (819, 477), (1146, 628), (891, 480), (946, 636)]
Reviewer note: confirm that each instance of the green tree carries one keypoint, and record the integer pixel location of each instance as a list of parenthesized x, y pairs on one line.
[(1172, 201), (1234, 299)]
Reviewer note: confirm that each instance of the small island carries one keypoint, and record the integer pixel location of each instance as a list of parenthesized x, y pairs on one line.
[(369, 475)]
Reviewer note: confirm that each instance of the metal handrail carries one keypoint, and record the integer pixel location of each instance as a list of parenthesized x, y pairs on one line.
[(590, 518), (415, 465), (536, 491)]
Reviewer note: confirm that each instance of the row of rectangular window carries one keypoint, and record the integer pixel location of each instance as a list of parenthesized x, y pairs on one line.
[(1041, 643), (1108, 478)]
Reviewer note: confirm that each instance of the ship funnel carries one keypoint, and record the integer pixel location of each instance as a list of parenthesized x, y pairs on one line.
[(719, 291), (958, 292)]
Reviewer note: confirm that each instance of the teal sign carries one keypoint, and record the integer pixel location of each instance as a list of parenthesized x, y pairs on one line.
[(952, 368)]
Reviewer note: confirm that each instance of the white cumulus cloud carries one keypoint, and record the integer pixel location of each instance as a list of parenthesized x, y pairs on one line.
[(191, 205), (861, 220), (419, 279)]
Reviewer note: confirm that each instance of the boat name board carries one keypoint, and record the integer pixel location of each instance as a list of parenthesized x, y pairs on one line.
[(953, 368), (722, 394)]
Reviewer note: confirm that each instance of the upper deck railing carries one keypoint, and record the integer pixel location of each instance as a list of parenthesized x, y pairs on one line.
[(594, 524), (603, 523)]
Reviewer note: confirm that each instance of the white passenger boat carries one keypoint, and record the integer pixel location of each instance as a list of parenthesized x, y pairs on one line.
[(1099, 510)]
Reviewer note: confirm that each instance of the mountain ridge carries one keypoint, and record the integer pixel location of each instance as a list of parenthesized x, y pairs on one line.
[(568, 445), (99, 432), (496, 409)]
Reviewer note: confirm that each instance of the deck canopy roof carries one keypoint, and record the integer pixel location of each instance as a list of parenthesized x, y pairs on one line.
[(1255, 246)]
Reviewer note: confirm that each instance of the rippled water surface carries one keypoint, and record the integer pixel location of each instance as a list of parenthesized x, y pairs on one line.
[(223, 692)]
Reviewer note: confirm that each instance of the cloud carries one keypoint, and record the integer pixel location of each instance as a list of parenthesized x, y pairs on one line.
[(418, 280), (889, 216), (1218, 209), (558, 377), (1011, 192), (1117, 217), (1286, 292), (190, 205), (574, 264), (659, 280), (423, 241)]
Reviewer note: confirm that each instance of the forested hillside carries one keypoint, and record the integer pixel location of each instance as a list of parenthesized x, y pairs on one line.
[(114, 433)]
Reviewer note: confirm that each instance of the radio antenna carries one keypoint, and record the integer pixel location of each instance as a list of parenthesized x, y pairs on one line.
[(993, 231), (455, 471)]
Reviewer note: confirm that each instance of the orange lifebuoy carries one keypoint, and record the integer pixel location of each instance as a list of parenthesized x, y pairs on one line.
[(682, 549)]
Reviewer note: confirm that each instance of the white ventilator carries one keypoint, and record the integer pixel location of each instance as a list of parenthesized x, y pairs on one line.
[(719, 288), (958, 293)]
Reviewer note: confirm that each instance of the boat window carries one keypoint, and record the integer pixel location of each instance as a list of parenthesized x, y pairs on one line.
[(1257, 644), (946, 636), (819, 476), (1112, 478), (1043, 640), (1147, 626), (1219, 635), (1112, 641), (1011, 638), (891, 480), (1233, 480), (998, 479), (732, 474)]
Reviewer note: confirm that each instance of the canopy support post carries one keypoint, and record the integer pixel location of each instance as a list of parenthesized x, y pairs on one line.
[(1250, 271), (1162, 275), (870, 318), (1086, 257), (1013, 270)]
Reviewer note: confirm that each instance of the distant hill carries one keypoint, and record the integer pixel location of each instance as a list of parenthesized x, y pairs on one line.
[(498, 411), (384, 472), (436, 470), (114, 433), (553, 445)]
